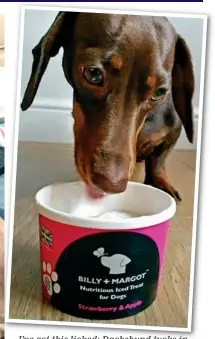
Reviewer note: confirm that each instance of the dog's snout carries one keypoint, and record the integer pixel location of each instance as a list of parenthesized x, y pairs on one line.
[(112, 174), (104, 183)]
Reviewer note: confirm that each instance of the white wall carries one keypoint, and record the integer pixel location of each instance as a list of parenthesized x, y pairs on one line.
[(49, 119)]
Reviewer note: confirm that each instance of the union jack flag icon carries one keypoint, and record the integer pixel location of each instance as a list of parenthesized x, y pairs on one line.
[(46, 236)]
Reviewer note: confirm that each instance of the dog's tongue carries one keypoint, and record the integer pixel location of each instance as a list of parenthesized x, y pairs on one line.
[(94, 193)]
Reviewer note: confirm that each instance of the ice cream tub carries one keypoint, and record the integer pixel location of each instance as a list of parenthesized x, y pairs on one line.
[(102, 258)]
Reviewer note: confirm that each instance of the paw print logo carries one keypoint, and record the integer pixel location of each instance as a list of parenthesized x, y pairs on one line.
[(50, 279)]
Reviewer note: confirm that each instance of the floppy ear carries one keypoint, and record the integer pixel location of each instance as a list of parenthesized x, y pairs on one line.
[(48, 47), (183, 86), (125, 261)]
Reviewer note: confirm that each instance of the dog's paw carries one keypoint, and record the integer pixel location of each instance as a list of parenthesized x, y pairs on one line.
[(162, 184), (50, 279)]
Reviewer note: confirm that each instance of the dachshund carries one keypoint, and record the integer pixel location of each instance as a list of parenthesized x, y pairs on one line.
[(133, 82)]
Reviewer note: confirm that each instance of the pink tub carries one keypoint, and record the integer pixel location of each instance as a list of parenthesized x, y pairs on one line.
[(98, 268)]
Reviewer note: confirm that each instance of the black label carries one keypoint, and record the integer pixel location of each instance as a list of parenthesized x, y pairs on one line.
[(107, 275)]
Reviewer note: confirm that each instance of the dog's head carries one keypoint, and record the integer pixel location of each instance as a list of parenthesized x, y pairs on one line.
[(121, 68)]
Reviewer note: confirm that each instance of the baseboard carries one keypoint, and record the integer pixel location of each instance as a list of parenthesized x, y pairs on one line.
[(50, 120), (47, 120)]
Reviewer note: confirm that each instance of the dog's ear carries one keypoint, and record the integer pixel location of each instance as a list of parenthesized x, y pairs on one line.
[(125, 261), (48, 47), (183, 85)]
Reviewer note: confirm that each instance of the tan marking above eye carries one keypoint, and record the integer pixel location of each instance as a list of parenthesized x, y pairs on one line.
[(151, 81), (116, 62)]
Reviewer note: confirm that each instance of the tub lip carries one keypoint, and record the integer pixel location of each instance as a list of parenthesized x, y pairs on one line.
[(95, 223)]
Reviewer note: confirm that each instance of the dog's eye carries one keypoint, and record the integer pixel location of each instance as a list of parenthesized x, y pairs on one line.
[(159, 93), (93, 76)]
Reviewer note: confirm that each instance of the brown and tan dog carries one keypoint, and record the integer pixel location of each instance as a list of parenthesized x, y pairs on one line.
[(133, 84)]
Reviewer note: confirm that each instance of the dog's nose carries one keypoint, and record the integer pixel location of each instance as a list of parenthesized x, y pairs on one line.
[(104, 184), (112, 175)]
